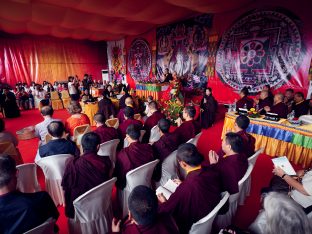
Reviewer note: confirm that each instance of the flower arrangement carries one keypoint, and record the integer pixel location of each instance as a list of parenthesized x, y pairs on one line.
[(172, 110), (252, 113)]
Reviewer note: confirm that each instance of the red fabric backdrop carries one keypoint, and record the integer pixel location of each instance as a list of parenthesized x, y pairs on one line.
[(298, 81), (37, 58)]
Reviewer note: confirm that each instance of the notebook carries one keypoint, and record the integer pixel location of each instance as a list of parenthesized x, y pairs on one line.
[(168, 189), (284, 164)]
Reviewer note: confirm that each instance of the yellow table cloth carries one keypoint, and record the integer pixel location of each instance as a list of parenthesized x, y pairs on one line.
[(278, 138), (90, 109), (115, 101)]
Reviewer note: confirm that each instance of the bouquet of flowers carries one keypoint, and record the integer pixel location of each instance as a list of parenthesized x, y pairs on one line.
[(252, 113), (172, 110)]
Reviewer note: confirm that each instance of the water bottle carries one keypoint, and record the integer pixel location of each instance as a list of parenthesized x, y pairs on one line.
[(257, 107), (245, 106), (234, 106)]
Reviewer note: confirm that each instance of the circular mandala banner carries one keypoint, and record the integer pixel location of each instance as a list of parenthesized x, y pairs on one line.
[(261, 48), (139, 60)]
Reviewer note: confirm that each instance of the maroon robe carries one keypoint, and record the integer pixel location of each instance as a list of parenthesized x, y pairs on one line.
[(107, 108), (164, 224), (281, 109), (187, 130), (82, 174), (194, 198), (244, 100), (210, 108), (122, 129), (265, 102), (121, 116), (150, 122), (135, 155), (301, 108), (232, 169), (106, 133)]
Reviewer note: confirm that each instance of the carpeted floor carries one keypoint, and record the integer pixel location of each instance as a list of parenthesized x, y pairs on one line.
[(210, 139)]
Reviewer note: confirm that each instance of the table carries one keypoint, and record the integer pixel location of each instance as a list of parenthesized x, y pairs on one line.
[(278, 138), (154, 90), (90, 109), (115, 102), (96, 92)]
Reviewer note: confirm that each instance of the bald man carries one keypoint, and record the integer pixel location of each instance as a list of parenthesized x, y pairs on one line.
[(264, 101), (128, 102), (279, 106)]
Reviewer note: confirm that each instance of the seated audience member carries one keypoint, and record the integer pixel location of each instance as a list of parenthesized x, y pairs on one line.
[(122, 100), (197, 195), (133, 156), (209, 105), (21, 212), (167, 143), (279, 106), (301, 191), (289, 98), (76, 119), (241, 124), (87, 97), (128, 115), (281, 215), (41, 129), (300, 106), (107, 108), (143, 217), (6, 136), (104, 132), (152, 120), (23, 99), (244, 100), (264, 101), (233, 165), (189, 128), (9, 105), (85, 172), (129, 103), (58, 144)]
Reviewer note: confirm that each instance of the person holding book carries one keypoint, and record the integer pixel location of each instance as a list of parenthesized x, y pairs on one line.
[(299, 187), (143, 217), (197, 195)]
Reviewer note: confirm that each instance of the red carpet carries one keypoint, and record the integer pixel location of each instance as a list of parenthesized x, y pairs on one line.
[(210, 139)]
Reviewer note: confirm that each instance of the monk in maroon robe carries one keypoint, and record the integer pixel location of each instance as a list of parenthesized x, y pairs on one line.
[(300, 106), (264, 101), (197, 195), (133, 156), (85, 172), (152, 120), (189, 128), (279, 106), (128, 102), (289, 98), (104, 132), (245, 100), (233, 165), (106, 107), (143, 217), (209, 105), (128, 115)]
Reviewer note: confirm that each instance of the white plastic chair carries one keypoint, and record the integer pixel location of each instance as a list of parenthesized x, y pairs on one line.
[(46, 228), (139, 176), (114, 122), (194, 140), (79, 131), (53, 168), (255, 156), (222, 221), (155, 134), (204, 225), (109, 149), (27, 181), (93, 210), (169, 168), (245, 185), (126, 143)]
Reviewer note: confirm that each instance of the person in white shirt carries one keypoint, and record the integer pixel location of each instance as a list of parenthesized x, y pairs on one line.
[(41, 129), (73, 92)]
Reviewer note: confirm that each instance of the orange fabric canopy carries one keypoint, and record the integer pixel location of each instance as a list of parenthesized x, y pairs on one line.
[(101, 19)]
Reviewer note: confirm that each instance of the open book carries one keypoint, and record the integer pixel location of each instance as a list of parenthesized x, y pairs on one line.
[(168, 189), (284, 164)]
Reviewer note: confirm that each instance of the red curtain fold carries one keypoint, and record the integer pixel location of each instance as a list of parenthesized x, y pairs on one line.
[(37, 58)]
